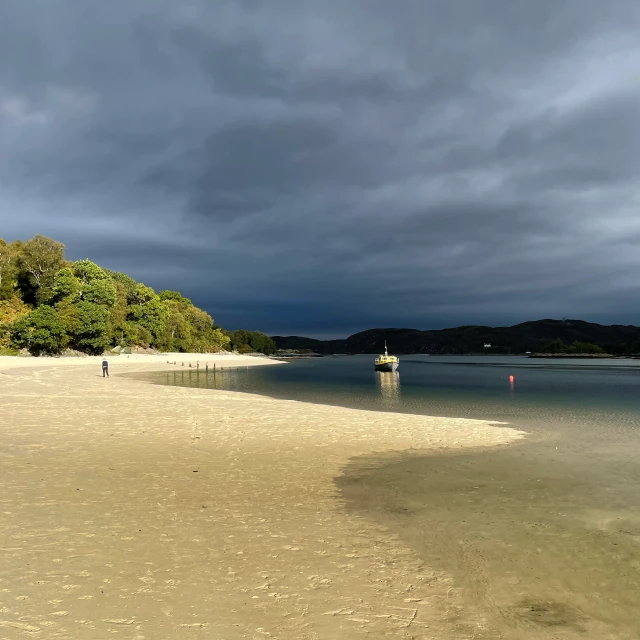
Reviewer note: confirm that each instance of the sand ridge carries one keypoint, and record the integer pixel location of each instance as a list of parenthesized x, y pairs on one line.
[(145, 512)]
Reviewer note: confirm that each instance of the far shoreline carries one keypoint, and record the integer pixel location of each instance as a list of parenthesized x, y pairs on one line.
[(188, 359)]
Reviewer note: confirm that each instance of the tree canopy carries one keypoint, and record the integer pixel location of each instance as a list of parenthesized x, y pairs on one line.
[(252, 342), (557, 346), (48, 304)]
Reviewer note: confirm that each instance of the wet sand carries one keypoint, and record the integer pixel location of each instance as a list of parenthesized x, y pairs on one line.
[(542, 538), (145, 512)]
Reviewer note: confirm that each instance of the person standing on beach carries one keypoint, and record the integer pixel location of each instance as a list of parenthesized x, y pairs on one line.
[(105, 368)]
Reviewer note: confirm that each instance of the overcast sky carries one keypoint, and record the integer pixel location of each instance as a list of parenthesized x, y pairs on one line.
[(322, 167)]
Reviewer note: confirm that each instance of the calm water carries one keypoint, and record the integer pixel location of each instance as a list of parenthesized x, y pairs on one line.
[(543, 537), (453, 386)]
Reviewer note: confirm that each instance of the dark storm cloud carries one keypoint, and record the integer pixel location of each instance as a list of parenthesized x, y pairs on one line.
[(307, 167)]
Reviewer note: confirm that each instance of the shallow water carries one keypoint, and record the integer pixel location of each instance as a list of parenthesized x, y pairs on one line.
[(539, 539), (542, 537), (457, 386)]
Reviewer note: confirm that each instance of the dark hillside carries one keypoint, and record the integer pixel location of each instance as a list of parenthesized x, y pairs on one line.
[(533, 336)]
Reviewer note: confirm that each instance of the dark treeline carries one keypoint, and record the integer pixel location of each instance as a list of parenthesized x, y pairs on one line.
[(251, 342), (49, 304), (541, 336)]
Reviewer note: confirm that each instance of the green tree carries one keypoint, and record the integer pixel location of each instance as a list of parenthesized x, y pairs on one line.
[(8, 270), (127, 282), (218, 340), (65, 285), (38, 261), (87, 326), (165, 294), (150, 313), (134, 334), (245, 341), (200, 320), (10, 311), (178, 334), (86, 281), (87, 271), (116, 322), (141, 294), (240, 339), (95, 284), (205, 337), (40, 331), (188, 328), (67, 312), (262, 343), (102, 292)]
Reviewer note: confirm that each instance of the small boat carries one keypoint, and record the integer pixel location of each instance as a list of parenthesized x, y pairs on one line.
[(386, 362)]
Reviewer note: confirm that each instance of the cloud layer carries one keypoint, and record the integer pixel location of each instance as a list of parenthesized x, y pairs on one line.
[(323, 167)]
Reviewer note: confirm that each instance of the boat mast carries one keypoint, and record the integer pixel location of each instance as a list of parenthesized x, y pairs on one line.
[(385, 348)]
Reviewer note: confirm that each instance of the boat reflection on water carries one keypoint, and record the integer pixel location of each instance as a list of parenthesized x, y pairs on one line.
[(389, 383)]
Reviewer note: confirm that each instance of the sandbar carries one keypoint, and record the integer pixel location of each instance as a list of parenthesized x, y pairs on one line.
[(132, 510)]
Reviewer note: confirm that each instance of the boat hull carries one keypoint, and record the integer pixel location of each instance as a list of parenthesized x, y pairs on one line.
[(386, 366)]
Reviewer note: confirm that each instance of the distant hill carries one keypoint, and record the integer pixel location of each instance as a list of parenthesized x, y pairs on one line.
[(532, 336)]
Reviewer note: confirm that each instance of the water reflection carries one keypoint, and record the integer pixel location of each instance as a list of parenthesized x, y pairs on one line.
[(389, 384)]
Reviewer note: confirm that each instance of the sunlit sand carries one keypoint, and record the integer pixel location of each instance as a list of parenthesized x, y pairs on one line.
[(146, 512)]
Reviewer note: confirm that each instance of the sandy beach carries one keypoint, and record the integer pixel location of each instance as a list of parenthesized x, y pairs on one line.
[(137, 511)]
